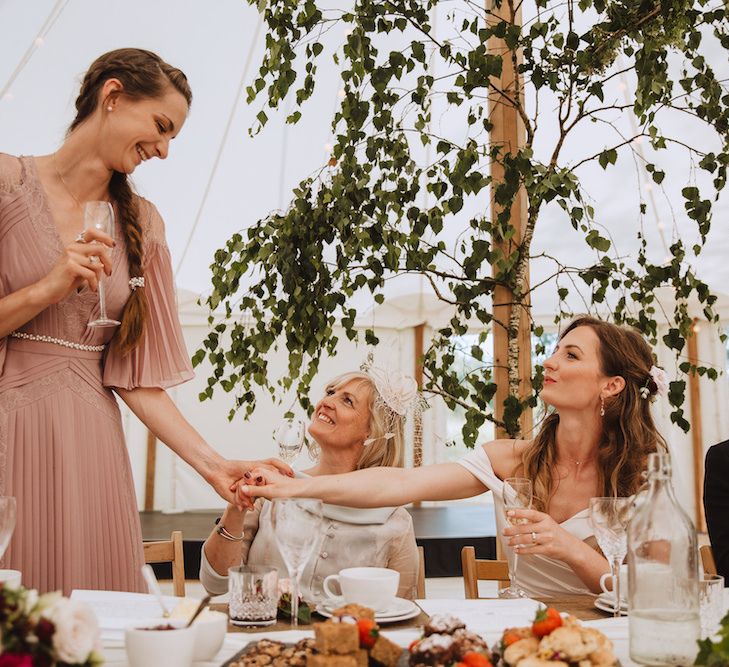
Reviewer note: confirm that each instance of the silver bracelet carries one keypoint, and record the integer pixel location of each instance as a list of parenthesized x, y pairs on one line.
[(227, 536)]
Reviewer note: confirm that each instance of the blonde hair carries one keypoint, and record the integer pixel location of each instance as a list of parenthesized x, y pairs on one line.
[(629, 433), (383, 451)]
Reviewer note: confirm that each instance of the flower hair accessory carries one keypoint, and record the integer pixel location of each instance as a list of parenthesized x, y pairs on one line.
[(397, 394), (137, 281), (657, 383)]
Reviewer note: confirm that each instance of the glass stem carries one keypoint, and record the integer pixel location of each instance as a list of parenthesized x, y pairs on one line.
[(512, 576), (102, 299), (615, 564), (295, 576)]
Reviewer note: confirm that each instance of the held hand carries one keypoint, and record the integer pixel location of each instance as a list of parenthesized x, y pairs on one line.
[(265, 483), (539, 534), (228, 474), (81, 262)]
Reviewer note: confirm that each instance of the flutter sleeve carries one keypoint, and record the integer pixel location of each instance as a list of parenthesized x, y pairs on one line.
[(161, 359)]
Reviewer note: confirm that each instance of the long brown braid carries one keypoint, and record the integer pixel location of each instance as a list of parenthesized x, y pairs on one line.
[(628, 433), (143, 75)]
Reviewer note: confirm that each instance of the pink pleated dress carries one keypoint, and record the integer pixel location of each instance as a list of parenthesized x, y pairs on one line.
[(62, 449)]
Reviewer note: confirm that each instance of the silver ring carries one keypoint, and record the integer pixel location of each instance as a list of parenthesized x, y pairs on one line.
[(93, 259), (80, 237), (534, 538)]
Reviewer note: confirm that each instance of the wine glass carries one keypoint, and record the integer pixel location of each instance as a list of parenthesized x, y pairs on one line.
[(290, 438), (609, 519), (517, 495), (8, 510), (297, 529), (100, 215)]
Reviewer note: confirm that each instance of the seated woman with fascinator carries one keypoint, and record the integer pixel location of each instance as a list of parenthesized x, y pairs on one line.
[(359, 423)]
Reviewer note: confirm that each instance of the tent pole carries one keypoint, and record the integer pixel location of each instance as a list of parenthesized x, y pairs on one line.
[(508, 131), (151, 469), (697, 439)]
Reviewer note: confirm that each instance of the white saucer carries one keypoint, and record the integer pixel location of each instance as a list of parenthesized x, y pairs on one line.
[(605, 602), (399, 610)]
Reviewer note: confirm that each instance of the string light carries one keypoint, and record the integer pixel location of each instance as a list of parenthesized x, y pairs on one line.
[(39, 41), (328, 148), (661, 225), (696, 328), (341, 94)]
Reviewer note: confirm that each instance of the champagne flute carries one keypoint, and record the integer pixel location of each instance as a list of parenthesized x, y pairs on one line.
[(516, 494), (297, 529), (8, 511), (100, 215), (609, 519), (290, 438)]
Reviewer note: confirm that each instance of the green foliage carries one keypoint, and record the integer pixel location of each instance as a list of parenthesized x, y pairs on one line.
[(376, 209)]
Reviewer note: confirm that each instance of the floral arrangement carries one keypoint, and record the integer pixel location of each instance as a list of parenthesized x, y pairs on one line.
[(46, 631)]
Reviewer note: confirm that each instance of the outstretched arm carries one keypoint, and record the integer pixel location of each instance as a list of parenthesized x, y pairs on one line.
[(373, 487), (160, 415)]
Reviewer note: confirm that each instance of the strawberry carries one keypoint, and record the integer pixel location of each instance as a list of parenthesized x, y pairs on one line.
[(368, 632), (546, 620), (510, 637), (413, 644), (475, 659)]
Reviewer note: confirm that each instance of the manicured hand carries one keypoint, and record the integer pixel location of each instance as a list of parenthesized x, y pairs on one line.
[(539, 534)]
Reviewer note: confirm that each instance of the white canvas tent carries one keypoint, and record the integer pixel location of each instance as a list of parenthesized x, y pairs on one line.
[(218, 180)]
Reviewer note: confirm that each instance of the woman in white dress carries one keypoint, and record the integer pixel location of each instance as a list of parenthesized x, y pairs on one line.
[(594, 443), (358, 423)]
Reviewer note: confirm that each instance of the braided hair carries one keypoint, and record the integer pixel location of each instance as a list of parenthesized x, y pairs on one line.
[(143, 75)]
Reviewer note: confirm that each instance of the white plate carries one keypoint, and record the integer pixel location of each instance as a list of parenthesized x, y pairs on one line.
[(401, 610), (605, 602)]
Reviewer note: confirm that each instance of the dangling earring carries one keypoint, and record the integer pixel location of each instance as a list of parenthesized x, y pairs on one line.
[(602, 406)]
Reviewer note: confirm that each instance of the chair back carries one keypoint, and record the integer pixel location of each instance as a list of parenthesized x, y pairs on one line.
[(420, 585), (485, 570), (707, 559), (169, 551)]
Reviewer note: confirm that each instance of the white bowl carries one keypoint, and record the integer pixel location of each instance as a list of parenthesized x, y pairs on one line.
[(147, 646), (210, 628)]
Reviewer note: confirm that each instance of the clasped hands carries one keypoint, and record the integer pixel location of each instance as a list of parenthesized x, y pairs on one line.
[(256, 473)]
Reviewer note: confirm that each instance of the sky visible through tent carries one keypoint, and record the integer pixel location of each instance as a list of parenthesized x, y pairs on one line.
[(208, 189)]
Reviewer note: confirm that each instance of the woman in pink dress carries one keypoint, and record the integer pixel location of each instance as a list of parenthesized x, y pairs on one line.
[(62, 450)]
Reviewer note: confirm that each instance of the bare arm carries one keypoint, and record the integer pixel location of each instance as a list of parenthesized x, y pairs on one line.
[(160, 415), (373, 487)]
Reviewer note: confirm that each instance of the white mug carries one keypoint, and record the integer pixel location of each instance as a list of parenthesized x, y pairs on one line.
[(623, 583), (11, 578), (374, 587)]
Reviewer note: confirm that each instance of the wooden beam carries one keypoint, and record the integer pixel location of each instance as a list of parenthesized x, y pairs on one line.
[(419, 331), (697, 437), (508, 131), (150, 473)]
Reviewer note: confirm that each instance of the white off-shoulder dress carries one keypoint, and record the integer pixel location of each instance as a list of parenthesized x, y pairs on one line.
[(538, 575)]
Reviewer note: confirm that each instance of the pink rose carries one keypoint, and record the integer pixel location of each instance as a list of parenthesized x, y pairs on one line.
[(16, 660)]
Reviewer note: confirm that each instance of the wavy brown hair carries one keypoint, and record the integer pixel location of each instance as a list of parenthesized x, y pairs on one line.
[(143, 75), (628, 431)]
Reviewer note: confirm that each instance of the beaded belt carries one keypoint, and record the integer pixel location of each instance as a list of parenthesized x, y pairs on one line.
[(57, 341)]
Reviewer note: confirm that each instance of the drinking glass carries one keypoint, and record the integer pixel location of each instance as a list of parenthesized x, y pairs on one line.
[(711, 603), (297, 529), (290, 438), (253, 595), (8, 511), (517, 494), (609, 519), (100, 215)]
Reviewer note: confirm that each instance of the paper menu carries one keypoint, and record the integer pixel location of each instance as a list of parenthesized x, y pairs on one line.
[(116, 610)]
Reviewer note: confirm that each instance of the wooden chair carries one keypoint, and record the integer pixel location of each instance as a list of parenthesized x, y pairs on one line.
[(475, 569), (420, 585), (169, 551), (707, 559)]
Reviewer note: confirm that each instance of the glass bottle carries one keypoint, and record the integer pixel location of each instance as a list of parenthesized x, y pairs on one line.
[(663, 574)]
